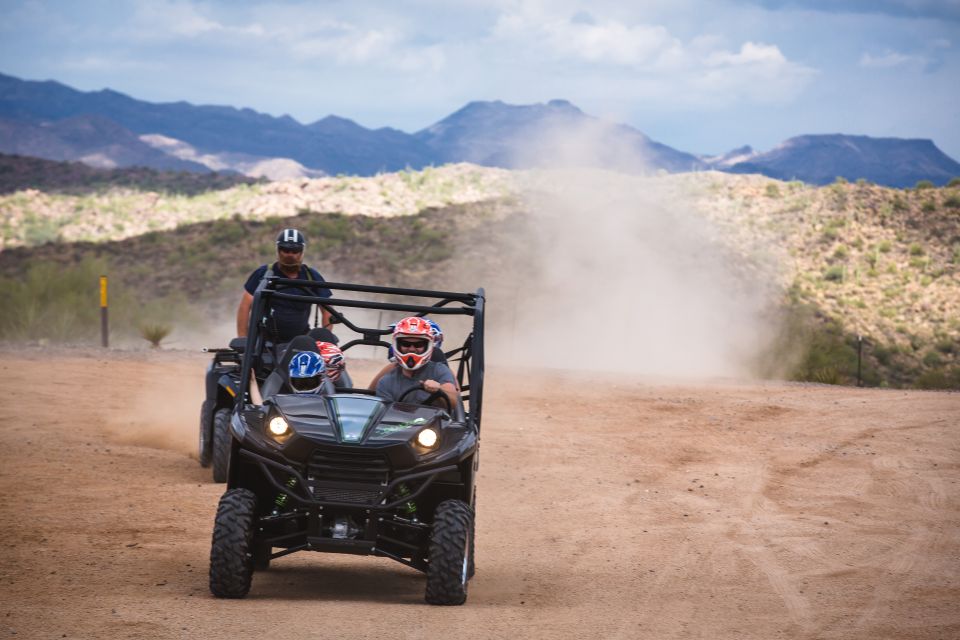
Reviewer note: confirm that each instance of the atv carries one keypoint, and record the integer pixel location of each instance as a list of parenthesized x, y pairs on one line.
[(222, 383), (345, 471)]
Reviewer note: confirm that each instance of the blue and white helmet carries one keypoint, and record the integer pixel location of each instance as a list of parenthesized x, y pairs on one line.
[(307, 372), (436, 332)]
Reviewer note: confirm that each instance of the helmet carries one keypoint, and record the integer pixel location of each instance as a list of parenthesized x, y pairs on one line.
[(291, 239), (436, 331), (306, 372), (332, 359), (413, 328)]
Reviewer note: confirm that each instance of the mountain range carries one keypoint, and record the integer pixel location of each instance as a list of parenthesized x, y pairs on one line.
[(109, 129)]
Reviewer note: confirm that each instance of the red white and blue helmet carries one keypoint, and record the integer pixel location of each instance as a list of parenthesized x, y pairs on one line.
[(413, 328), (307, 372), (332, 359)]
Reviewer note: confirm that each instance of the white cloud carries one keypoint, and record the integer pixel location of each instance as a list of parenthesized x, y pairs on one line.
[(656, 64), (890, 59)]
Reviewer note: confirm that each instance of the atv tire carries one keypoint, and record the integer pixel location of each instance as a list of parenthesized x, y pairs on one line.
[(222, 442), (449, 555), (231, 554), (205, 449)]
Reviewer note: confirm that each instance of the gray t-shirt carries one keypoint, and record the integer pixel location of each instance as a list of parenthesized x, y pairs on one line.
[(395, 384)]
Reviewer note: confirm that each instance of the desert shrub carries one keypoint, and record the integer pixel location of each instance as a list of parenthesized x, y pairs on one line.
[(772, 190), (898, 204), (928, 207), (932, 359), (952, 202), (924, 184), (840, 252), (916, 249), (939, 379), (840, 180), (954, 182), (834, 273), (946, 345), (884, 246), (154, 333)]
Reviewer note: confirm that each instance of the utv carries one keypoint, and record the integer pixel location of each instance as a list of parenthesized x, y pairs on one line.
[(345, 471)]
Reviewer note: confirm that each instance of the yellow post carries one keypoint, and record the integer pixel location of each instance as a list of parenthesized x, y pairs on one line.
[(104, 331)]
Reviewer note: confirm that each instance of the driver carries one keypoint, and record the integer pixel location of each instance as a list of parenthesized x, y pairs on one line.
[(413, 343)]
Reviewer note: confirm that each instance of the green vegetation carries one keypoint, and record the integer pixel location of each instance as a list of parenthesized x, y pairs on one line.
[(155, 333), (954, 182), (924, 184), (62, 304), (772, 190)]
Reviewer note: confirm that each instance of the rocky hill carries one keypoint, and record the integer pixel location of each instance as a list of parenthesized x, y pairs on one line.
[(846, 259)]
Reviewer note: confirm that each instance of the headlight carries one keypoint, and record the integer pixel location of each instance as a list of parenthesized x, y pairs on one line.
[(427, 438), (278, 426)]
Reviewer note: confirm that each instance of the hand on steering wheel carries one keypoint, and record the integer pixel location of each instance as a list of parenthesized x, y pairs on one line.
[(436, 395)]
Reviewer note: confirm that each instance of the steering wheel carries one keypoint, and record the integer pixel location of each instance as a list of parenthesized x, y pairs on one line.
[(436, 395)]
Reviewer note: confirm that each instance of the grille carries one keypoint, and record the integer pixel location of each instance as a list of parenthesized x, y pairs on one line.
[(347, 466), (339, 494), (345, 476)]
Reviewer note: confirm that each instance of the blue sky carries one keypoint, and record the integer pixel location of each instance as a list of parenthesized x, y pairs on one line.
[(701, 76)]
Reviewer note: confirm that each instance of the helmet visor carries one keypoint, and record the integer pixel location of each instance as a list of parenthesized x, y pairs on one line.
[(306, 385)]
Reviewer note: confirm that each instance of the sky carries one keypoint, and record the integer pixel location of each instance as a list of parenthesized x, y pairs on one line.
[(703, 76)]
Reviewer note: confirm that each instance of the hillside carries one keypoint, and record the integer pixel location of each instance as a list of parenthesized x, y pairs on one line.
[(841, 261), (20, 173)]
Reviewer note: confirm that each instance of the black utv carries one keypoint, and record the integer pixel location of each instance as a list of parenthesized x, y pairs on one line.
[(345, 471)]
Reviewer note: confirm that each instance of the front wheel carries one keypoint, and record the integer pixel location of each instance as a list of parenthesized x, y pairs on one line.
[(222, 441), (205, 453), (451, 543), (231, 553)]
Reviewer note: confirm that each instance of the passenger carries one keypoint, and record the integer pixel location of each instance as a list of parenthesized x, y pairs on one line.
[(289, 318), (336, 365), (413, 345), (307, 373)]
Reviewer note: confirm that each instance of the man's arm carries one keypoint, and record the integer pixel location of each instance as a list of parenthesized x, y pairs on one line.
[(325, 319), (243, 314)]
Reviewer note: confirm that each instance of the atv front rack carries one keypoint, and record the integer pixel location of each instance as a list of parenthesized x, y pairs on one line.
[(300, 492)]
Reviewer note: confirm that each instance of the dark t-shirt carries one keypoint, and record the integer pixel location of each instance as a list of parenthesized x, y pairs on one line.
[(394, 384), (289, 318)]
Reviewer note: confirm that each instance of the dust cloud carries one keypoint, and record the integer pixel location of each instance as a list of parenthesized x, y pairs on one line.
[(617, 271), (162, 413)]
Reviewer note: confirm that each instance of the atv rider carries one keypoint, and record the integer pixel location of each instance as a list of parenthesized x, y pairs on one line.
[(437, 355), (306, 373), (288, 318), (413, 344)]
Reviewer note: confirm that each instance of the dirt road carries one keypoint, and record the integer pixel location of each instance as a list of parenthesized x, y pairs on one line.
[(623, 510)]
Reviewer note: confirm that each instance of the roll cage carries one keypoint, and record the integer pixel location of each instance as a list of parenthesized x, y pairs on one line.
[(466, 360)]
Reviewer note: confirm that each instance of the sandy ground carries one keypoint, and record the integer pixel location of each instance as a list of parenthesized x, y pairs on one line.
[(623, 510)]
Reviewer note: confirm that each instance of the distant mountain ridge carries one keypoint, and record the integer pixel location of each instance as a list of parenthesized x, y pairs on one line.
[(106, 128), (820, 159)]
